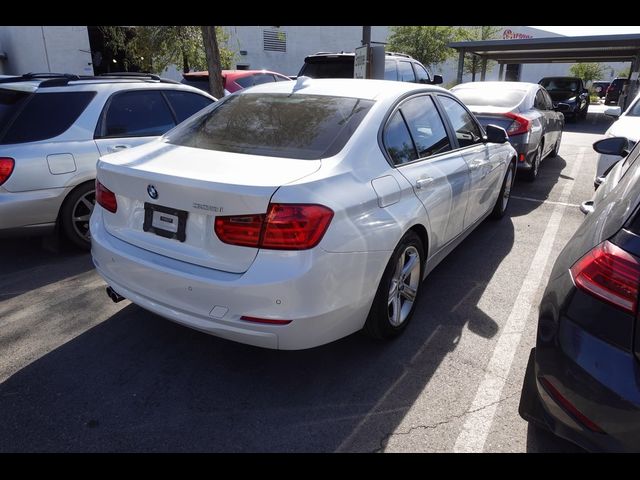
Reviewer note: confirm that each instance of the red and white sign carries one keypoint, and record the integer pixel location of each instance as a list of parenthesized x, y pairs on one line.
[(509, 34)]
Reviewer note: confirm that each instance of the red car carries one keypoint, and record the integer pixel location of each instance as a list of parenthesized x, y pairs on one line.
[(234, 80)]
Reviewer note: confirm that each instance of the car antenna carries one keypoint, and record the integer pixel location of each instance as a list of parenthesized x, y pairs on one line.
[(301, 82)]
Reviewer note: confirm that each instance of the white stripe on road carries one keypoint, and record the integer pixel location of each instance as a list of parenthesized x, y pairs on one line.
[(550, 202), (485, 404)]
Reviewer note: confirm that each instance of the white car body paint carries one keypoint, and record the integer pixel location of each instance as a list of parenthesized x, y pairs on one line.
[(326, 291)]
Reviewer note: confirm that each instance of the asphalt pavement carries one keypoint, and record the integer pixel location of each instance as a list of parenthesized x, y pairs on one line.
[(79, 373)]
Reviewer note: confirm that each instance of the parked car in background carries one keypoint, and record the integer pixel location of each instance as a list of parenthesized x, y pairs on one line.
[(234, 80), (525, 111), (53, 128), (627, 125), (568, 94), (293, 214), (397, 66), (614, 90), (600, 87), (582, 380)]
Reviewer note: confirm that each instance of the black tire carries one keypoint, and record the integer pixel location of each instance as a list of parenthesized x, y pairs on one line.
[(532, 174), (75, 213), (502, 202), (379, 324), (556, 147)]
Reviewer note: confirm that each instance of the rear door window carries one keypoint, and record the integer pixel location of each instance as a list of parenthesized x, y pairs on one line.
[(10, 103), (46, 115), (141, 113), (397, 141), (426, 126), (468, 132), (185, 104)]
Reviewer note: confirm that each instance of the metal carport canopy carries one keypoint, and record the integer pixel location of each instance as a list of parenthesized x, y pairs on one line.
[(595, 48)]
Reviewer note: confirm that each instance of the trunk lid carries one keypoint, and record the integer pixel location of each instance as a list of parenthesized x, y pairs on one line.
[(202, 183), (492, 115)]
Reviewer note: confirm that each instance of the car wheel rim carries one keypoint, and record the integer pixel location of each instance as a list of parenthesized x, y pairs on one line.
[(508, 183), (404, 286), (536, 163), (81, 213)]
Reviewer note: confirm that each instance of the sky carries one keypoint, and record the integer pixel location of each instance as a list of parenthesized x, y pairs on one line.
[(576, 30)]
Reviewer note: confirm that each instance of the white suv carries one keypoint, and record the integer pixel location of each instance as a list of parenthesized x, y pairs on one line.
[(53, 129)]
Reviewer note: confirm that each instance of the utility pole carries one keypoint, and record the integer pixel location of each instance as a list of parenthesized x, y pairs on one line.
[(366, 35)]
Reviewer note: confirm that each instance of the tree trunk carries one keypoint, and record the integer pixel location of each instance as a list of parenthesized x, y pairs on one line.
[(213, 61), (185, 62)]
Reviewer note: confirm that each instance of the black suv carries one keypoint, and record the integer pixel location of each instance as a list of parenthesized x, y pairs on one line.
[(397, 66), (614, 90), (569, 95)]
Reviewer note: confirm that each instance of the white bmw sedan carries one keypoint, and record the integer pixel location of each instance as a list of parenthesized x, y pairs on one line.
[(289, 215)]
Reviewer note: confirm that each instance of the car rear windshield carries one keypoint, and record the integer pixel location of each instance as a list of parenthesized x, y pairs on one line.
[(339, 67), (10, 103), (298, 126), (490, 96), (46, 115)]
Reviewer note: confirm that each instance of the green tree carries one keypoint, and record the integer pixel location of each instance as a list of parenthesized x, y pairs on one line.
[(624, 73), (587, 71), (427, 44), (154, 47), (473, 63)]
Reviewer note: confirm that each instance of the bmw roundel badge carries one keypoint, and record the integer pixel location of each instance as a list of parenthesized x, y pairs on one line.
[(153, 193)]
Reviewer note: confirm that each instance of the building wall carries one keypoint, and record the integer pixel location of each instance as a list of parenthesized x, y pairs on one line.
[(62, 49), (300, 42), (304, 40)]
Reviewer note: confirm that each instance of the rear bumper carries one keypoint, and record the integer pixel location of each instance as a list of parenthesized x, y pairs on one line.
[(600, 380), (29, 212), (326, 295)]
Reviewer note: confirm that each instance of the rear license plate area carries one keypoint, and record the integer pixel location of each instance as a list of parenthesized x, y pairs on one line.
[(165, 221)]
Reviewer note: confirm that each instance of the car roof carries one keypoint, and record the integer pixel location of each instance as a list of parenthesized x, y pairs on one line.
[(343, 87), (351, 54), (67, 82)]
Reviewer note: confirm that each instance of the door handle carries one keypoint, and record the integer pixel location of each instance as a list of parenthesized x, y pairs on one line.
[(423, 182), (115, 148)]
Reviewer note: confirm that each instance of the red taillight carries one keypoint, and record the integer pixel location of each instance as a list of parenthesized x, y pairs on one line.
[(106, 198), (610, 274), (520, 124), (267, 321), (569, 407), (6, 168), (283, 227)]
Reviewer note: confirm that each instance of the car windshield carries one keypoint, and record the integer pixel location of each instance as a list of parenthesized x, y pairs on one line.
[(554, 84), (495, 97), (306, 127), (10, 102)]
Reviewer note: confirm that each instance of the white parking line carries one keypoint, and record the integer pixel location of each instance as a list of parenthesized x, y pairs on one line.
[(550, 202), (485, 404)]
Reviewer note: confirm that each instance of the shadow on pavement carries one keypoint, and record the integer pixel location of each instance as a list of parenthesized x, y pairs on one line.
[(30, 263), (137, 382)]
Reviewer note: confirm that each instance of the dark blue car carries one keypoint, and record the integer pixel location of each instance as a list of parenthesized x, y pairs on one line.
[(583, 377)]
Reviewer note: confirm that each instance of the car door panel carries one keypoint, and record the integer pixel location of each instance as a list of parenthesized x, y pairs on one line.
[(438, 175)]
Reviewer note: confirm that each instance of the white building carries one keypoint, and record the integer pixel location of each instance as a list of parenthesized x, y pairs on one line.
[(66, 49), (45, 49), (283, 48)]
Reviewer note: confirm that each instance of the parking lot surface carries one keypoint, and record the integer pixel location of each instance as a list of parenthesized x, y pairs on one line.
[(80, 373)]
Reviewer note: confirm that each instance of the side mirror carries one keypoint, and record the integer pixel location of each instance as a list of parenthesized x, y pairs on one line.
[(496, 134), (584, 90), (612, 146), (437, 80), (613, 112)]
